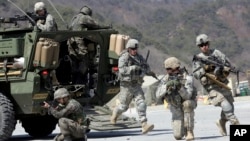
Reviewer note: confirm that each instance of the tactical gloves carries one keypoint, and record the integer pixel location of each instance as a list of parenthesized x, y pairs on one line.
[(40, 22), (135, 69), (172, 85)]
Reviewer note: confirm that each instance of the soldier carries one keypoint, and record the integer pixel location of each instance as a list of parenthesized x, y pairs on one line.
[(82, 60), (132, 68), (180, 95), (84, 21), (72, 119), (48, 23), (219, 95)]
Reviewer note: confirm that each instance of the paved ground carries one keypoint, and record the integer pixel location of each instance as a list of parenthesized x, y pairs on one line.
[(205, 128)]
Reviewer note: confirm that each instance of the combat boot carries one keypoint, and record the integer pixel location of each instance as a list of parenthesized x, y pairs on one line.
[(147, 127), (189, 135), (114, 117), (67, 138), (222, 126), (59, 137), (235, 122)]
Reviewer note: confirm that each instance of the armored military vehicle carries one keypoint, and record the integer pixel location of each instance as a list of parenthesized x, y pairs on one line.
[(30, 60)]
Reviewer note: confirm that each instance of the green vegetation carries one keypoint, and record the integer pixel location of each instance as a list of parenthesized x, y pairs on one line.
[(169, 26)]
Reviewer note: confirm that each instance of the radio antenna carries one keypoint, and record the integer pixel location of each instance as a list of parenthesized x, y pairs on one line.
[(22, 11), (58, 13)]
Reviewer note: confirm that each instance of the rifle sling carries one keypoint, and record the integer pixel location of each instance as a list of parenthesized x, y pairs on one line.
[(213, 79)]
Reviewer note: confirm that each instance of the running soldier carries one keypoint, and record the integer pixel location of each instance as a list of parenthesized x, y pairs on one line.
[(132, 68), (214, 80)]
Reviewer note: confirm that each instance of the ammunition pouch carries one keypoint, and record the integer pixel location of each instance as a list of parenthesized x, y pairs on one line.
[(174, 99), (226, 71), (221, 82)]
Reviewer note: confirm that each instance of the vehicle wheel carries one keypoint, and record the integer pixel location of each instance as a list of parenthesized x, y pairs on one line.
[(7, 118), (39, 126)]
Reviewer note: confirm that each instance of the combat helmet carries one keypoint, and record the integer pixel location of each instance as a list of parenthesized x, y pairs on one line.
[(172, 62), (61, 93), (201, 39), (86, 10), (39, 6), (132, 43)]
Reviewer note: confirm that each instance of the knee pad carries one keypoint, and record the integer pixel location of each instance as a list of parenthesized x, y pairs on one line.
[(122, 108), (188, 106), (178, 129), (226, 107), (141, 106)]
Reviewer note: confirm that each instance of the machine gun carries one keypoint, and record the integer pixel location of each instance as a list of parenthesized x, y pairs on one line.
[(29, 16), (144, 66), (217, 63)]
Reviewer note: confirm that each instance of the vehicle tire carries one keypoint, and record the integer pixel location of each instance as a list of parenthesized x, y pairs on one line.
[(39, 126), (7, 118)]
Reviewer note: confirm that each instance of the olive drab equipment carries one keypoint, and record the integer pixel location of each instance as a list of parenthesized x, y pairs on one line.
[(46, 52)]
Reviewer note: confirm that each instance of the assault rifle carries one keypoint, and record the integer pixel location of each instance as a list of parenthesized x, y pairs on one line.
[(217, 63), (144, 65), (178, 76), (30, 16), (95, 27), (53, 103)]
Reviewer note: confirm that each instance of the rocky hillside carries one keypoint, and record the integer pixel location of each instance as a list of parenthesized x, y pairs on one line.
[(166, 27)]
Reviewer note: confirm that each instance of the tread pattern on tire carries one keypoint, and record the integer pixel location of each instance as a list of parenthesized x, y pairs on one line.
[(7, 118)]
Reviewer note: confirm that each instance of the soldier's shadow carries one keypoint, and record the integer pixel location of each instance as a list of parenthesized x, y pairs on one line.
[(208, 137), (119, 133), (98, 134), (29, 138)]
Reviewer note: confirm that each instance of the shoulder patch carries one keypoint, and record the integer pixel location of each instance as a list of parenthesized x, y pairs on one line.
[(124, 53)]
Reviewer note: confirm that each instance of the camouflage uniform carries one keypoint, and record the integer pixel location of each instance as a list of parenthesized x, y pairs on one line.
[(77, 46), (181, 95), (72, 119), (84, 21), (49, 23), (218, 95), (131, 72)]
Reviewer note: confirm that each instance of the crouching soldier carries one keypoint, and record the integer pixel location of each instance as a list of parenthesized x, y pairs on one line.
[(72, 119), (180, 94)]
